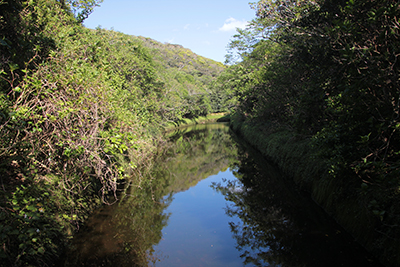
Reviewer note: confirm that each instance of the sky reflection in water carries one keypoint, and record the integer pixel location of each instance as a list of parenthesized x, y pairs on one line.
[(213, 202), (198, 232)]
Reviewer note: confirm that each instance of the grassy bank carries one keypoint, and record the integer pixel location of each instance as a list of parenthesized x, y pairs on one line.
[(213, 117), (362, 211)]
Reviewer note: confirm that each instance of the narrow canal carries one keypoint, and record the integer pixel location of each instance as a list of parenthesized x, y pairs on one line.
[(212, 201)]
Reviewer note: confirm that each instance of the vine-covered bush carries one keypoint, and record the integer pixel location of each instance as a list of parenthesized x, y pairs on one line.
[(78, 111)]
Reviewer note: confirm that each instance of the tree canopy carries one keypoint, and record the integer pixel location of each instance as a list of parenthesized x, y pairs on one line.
[(80, 111), (328, 72)]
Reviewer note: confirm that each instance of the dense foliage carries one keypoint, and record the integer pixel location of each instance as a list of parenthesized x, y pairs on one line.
[(280, 226), (126, 234), (328, 71), (189, 81), (80, 110)]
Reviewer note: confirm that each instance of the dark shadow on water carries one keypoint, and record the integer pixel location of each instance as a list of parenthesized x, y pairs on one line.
[(277, 225), (281, 226)]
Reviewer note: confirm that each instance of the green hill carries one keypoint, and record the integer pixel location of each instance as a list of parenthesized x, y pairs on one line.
[(80, 111), (188, 78)]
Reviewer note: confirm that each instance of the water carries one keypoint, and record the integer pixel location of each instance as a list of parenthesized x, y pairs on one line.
[(198, 232), (212, 201)]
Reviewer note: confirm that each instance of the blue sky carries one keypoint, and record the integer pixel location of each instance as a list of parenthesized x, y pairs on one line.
[(205, 26)]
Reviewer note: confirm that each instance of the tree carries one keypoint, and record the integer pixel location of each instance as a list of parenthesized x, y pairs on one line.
[(329, 70), (83, 8)]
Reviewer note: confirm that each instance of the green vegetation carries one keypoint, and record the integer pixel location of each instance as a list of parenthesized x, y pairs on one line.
[(126, 233), (317, 85), (279, 225), (185, 122), (80, 111), (123, 234), (196, 153), (312, 84), (189, 81)]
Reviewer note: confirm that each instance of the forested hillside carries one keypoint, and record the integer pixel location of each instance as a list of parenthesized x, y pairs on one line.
[(80, 111), (326, 74), (189, 79)]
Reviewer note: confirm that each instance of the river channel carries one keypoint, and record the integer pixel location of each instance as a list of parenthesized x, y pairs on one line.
[(210, 200)]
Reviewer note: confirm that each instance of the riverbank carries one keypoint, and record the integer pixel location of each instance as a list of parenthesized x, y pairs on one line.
[(357, 209), (213, 117)]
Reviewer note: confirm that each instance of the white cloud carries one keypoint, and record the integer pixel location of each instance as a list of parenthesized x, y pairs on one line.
[(186, 27), (231, 24)]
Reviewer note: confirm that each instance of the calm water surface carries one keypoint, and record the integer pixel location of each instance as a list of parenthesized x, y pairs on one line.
[(212, 201), (198, 232)]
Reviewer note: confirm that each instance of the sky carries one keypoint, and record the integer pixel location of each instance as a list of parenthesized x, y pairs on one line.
[(205, 27)]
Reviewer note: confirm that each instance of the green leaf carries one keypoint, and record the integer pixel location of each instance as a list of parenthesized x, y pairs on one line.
[(13, 67)]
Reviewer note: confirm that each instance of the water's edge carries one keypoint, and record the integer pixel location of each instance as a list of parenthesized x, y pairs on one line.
[(284, 223), (291, 156)]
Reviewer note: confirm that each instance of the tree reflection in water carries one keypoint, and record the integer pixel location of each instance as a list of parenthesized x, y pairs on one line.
[(124, 234), (280, 226)]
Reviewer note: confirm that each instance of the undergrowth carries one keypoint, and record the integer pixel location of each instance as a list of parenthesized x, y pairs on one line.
[(78, 113), (367, 211)]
